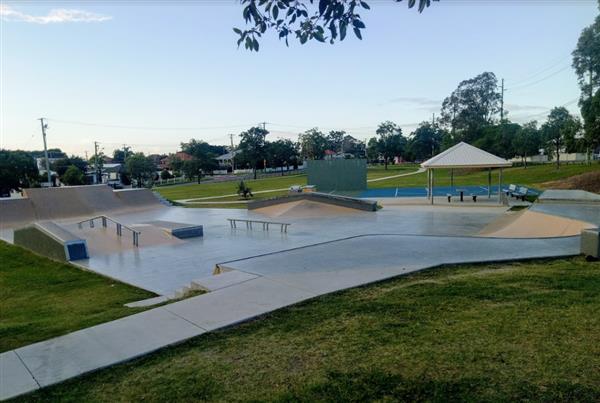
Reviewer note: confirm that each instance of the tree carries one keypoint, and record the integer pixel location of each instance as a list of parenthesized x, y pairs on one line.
[(498, 139), (559, 127), (590, 111), (165, 174), (17, 170), (121, 155), (527, 141), (175, 163), (586, 59), (63, 164), (425, 141), (472, 106), (281, 153), (140, 168), (313, 144), (73, 176), (373, 150), (335, 138), (322, 20), (204, 153), (191, 169), (350, 145), (243, 190), (391, 143), (252, 146)]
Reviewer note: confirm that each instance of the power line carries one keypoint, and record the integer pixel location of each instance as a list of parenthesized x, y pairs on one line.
[(538, 72), (519, 87), (113, 126), (568, 103)]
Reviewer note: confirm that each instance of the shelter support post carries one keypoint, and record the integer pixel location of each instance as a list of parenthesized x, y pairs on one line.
[(489, 183), (500, 187), (432, 184), (428, 184)]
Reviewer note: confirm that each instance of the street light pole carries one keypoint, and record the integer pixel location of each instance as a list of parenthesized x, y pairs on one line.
[(44, 127)]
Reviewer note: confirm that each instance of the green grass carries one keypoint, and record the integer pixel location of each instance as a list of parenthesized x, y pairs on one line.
[(227, 188), (533, 176), (499, 332), (41, 298), (379, 171), (191, 191)]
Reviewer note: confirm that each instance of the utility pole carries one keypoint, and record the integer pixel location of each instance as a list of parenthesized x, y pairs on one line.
[(96, 176), (232, 154), (502, 103), (44, 127), (264, 125)]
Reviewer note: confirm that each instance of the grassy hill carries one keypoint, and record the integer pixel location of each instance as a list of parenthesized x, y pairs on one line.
[(500, 332), (534, 176), (42, 298)]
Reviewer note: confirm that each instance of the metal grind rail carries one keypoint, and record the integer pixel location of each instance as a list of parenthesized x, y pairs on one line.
[(265, 224), (104, 220)]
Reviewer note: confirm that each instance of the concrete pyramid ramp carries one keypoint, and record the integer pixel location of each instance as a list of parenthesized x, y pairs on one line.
[(306, 209), (532, 224)]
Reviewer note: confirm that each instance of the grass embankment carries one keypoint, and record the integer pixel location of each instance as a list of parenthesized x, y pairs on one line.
[(229, 188), (501, 332), (272, 184), (41, 298), (536, 176), (533, 176)]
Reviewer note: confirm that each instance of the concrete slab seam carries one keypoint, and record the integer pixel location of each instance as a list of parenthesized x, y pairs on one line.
[(388, 234), (181, 317), (27, 368)]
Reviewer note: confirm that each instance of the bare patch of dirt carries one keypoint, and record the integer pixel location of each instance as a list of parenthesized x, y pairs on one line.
[(589, 181)]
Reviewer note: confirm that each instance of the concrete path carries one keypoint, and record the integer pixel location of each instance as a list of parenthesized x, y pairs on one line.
[(274, 280), (418, 171), (197, 199)]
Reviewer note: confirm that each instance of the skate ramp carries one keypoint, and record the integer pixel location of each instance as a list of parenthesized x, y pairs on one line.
[(51, 240), (568, 196), (42, 204), (306, 209), (533, 224), (15, 212), (322, 198)]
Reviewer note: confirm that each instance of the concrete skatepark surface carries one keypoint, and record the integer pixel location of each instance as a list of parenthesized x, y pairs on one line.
[(262, 270)]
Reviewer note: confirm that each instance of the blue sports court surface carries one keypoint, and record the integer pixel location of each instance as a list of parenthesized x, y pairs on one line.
[(437, 191)]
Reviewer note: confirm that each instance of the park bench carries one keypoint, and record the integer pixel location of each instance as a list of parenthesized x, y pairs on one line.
[(473, 195), (510, 190), (265, 224), (521, 193)]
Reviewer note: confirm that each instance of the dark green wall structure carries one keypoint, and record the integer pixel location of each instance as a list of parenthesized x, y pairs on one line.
[(337, 174)]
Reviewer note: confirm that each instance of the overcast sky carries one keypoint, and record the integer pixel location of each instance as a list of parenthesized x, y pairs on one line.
[(151, 74)]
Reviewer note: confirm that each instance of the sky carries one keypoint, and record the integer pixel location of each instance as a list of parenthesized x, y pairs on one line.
[(151, 74)]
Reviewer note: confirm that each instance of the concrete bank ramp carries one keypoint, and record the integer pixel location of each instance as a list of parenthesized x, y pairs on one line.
[(49, 239), (73, 201), (306, 209), (311, 204), (568, 196), (533, 224)]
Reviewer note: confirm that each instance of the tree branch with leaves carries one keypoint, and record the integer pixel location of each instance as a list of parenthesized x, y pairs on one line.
[(320, 20)]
